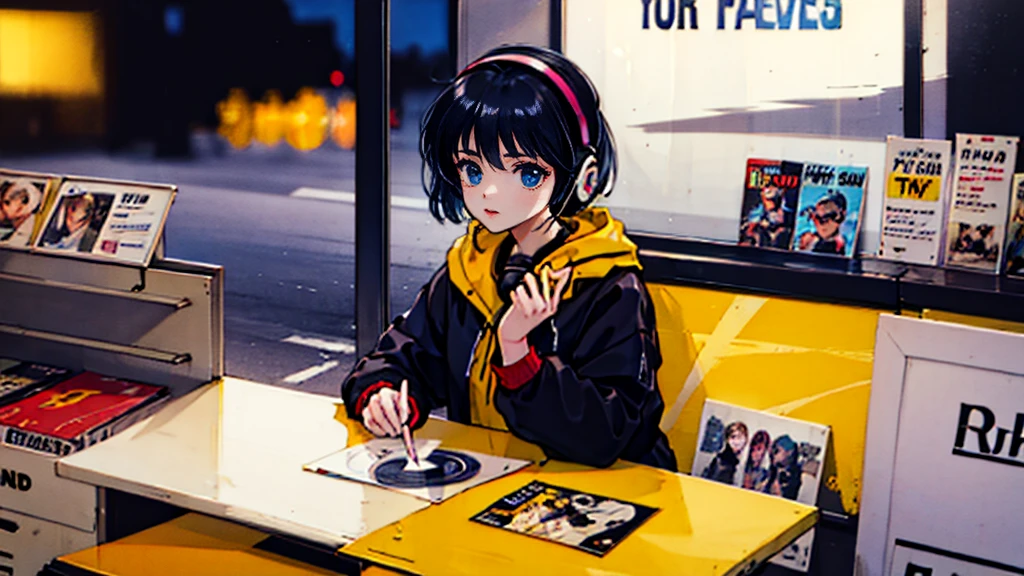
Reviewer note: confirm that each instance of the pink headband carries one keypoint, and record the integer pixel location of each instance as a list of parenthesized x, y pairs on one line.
[(547, 71)]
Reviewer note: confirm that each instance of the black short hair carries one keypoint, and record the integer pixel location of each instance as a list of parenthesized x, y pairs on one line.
[(516, 105)]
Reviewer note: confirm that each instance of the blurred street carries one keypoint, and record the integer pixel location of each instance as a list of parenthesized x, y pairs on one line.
[(281, 222)]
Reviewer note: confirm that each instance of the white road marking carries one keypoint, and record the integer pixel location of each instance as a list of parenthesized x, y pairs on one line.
[(340, 346), (350, 198), (303, 375)]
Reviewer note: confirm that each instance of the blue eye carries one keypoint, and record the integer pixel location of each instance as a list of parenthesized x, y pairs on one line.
[(472, 173), (532, 175)]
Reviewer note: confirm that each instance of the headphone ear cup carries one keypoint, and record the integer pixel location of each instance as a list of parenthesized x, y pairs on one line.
[(586, 179)]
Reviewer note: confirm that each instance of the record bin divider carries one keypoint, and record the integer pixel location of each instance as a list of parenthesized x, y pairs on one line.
[(159, 325)]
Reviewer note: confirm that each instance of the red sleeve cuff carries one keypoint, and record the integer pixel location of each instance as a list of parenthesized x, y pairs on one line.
[(516, 375), (414, 410)]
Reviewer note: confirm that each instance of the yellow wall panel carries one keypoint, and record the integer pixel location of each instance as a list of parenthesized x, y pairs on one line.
[(807, 360)]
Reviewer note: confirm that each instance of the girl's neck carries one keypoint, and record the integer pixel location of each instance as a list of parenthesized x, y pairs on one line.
[(533, 234)]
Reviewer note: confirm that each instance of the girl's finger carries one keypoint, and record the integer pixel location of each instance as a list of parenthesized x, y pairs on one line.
[(372, 424), (525, 302), (377, 413), (538, 300), (390, 406), (563, 279), (545, 284)]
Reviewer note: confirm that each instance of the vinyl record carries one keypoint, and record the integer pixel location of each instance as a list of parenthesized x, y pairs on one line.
[(450, 468)]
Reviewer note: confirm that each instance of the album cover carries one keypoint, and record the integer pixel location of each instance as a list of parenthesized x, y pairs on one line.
[(77, 412), (771, 454), (916, 194), (24, 198), (584, 521), (829, 209), (24, 378), (106, 220), (975, 231), (1015, 228), (770, 193)]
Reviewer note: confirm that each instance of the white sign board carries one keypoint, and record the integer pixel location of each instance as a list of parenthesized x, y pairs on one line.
[(693, 88), (944, 455)]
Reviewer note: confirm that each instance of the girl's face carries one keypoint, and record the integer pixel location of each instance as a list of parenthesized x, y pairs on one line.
[(14, 205), (503, 199), (757, 452), (78, 213), (737, 440)]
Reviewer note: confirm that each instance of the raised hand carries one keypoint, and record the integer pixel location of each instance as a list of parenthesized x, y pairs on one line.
[(532, 304)]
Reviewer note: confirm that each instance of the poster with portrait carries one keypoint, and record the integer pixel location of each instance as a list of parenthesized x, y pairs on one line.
[(771, 454), (980, 204), (829, 210), (24, 198), (916, 194), (1015, 228), (106, 220), (770, 191)]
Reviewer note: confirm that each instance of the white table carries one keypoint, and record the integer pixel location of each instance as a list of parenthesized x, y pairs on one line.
[(235, 449)]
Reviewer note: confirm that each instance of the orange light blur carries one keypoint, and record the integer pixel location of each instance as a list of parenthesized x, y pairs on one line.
[(269, 119), (307, 120), (49, 53), (236, 118)]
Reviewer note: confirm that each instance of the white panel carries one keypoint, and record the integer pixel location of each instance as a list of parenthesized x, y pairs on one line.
[(27, 544)]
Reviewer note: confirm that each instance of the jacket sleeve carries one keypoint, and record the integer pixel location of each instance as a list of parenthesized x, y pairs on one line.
[(594, 397), (412, 348)]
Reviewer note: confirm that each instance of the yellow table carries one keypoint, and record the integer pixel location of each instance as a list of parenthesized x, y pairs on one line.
[(703, 528), (235, 450)]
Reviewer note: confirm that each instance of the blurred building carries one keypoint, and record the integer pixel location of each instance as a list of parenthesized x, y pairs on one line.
[(119, 72)]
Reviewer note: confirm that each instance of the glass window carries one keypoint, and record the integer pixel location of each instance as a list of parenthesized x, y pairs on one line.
[(250, 112)]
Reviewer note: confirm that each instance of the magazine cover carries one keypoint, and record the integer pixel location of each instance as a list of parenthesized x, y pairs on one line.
[(769, 203), (980, 202), (587, 522), (106, 220), (829, 209), (24, 378), (1015, 228), (771, 454), (73, 413), (24, 199), (916, 193)]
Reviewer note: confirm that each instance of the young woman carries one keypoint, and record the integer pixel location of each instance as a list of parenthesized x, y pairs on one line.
[(19, 203), (539, 322), (722, 467)]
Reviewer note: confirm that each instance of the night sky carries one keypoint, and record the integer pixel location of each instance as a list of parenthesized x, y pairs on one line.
[(413, 22)]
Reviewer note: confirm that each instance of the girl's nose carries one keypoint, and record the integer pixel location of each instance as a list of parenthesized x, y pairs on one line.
[(490, 190)]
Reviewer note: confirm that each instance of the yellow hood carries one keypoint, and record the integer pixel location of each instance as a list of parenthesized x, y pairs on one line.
[(597, 244)]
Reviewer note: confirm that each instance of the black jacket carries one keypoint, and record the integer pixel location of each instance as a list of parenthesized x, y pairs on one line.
[(595, 398)]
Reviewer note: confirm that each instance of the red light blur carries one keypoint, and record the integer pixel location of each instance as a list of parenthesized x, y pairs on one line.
[(337, 78)]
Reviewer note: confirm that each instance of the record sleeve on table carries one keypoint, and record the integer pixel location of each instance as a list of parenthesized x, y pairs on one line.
[(587, 522)]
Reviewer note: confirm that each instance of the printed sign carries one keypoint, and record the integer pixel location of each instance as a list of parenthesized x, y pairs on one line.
[(915, 196), (980, 204), (106, 220)]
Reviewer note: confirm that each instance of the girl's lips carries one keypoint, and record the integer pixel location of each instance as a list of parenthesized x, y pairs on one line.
[(490, 212)]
